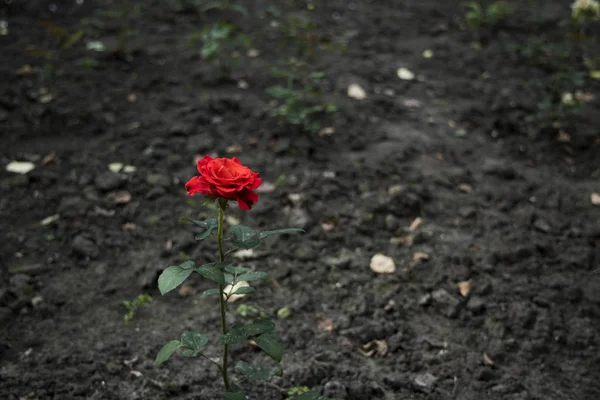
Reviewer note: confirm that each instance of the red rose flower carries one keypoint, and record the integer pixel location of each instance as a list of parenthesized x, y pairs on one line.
[(225, 178)]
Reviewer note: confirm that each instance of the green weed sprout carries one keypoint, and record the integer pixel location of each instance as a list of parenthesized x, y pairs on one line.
[(134, 305)]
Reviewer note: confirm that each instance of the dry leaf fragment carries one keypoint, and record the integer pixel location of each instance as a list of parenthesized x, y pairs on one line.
[(420, 256), (20, 167), (563, 137), (186, 290), (405, 240), (231, 220), (25, 70), (405, 74), (487, 360), (327, 226), (595, 199), (231, 289), (244, 254), (382, 264), (50, 219), (265, 187), (415, 224), (465, 287), (115, 167), (49, 159), (374, 348), (119, 197), (233, 149), (132, 97), (242, 84), (129, 226), (327, 131), (325, 324), (356, 92), (465, 188), (427, 54), (253, 53)]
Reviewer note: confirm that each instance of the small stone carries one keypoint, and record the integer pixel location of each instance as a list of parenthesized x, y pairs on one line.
[(108, 181), (355, 91), (335, 389), (467, 212), (299, 218), (72, 206), (180, 129), (19, 283), (476, 304), (158, 180), (382, 264), (200, 143), (425, 380), (499, 168), (425, 300), (542, 226), (85, 247)]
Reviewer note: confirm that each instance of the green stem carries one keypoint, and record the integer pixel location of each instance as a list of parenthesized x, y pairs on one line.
[(222, 300)]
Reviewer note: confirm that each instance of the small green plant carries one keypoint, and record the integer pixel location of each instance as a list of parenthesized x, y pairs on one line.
[(221, 46), (132, 306), (585, 11), (304, 393), (202, 6), (300, 103), (296, 391), (60, 39), (477, 16)]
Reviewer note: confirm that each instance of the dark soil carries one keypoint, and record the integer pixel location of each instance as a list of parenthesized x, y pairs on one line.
[(464, 146)]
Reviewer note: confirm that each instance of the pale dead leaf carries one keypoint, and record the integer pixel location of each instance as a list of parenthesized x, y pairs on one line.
[(234, 149), (36, 301), (253, 53), (230, 289), (374, 348), (186, 290), (242, 84), (25, 70), (487, 360), (465, 188), (595, 199), (49, 159), (129, 169), (412, 103), (356, 92), (132, 97), (129, 226), (244, 254), (231, 220), (169, 245), (119, 197), (325, 324), (420, 256), (427, 54), (115, 167), (382, 264), (464, 287), (295, 198), (405, 74), (327, 131), (20, 167), (415, 224), (265, 187), (50, 219), (104, 212), (563, 137), (404, 240), (327, 226)]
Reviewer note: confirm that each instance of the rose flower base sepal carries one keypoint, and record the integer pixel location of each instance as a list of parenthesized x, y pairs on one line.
[(224, 180)]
